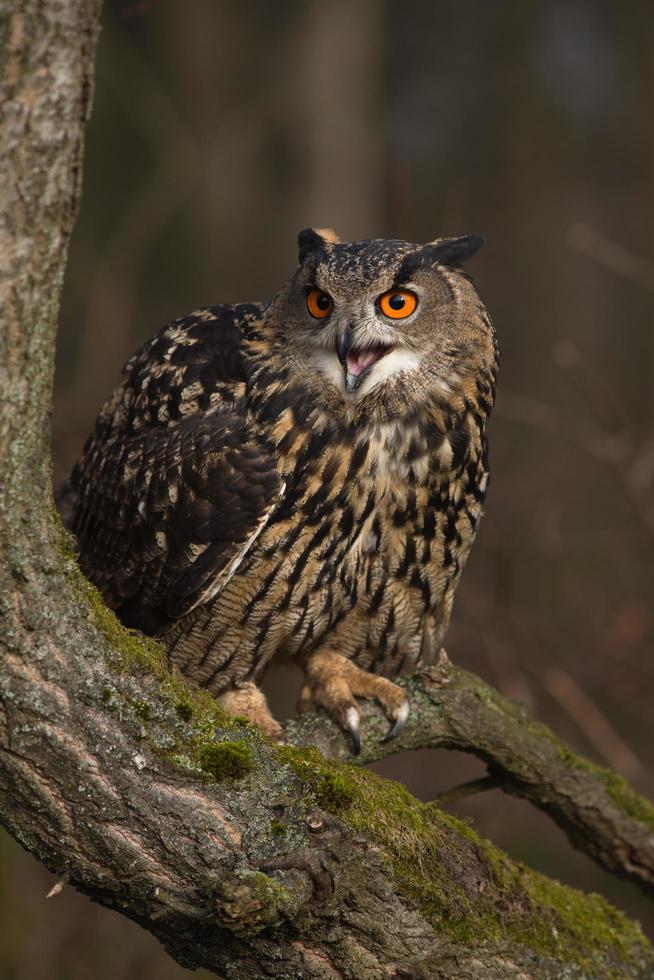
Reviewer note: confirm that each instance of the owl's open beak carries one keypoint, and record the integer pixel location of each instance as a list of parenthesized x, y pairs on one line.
[(356, 362), (343, 347)]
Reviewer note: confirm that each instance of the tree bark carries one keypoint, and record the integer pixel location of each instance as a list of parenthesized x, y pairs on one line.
[(242, 856)]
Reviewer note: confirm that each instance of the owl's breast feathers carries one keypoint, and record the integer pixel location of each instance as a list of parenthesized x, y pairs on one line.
[(377, 520), (213, 461)]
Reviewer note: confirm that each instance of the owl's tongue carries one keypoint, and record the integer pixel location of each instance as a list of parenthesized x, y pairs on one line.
[(358, 360)]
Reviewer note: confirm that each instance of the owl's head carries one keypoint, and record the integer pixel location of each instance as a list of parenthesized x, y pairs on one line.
[(391, 325)]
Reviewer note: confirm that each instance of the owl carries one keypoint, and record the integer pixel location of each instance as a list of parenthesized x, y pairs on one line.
[(301, 478)]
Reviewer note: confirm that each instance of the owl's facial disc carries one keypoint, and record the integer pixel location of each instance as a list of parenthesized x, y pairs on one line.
[(391, 325)]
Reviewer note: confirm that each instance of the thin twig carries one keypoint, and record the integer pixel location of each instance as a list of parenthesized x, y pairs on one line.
[(471, 788), (58, 887)]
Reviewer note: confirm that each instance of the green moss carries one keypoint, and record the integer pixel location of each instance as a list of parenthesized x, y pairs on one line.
[(522, 905), (628, 801), (631, 803), (332, 783), (226, 760), (142, 709), (532, 909), (64, 543), (277, 828), (334, 792), (269, 892), (485, 695), (139, 654), (135, 650), (184, 710)]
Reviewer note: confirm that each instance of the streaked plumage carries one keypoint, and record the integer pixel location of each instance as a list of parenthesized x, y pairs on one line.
[(246, 494)]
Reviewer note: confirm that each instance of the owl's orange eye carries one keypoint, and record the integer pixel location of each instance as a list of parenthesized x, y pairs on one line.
[(398, 303), (319, 304)]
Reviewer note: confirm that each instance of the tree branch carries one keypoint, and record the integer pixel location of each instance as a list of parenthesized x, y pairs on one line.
[(242, 856), (452, 709)]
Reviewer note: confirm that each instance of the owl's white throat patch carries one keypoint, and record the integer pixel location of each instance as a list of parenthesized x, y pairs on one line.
[(376, 371)]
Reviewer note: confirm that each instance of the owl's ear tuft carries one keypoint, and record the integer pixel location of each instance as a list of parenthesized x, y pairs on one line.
[(315, 240), (445, 251), (454, 251), (328, 235)]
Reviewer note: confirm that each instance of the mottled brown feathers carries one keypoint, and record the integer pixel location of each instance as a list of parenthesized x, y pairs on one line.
[(179, 482), (238, 500)]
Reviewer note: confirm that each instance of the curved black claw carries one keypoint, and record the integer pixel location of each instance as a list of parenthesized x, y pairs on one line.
[(398, 724), (352, 726)]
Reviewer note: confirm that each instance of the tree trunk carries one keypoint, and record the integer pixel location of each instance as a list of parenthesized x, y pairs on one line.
[(245, 857)]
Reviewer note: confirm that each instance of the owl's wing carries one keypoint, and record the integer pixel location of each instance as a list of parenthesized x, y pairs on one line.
[(165, 511)]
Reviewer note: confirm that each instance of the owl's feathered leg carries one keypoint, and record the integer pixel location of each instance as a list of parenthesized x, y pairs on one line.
[(333, 682), (249, 702)]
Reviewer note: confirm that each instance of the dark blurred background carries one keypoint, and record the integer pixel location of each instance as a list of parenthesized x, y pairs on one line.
[(220, 129)]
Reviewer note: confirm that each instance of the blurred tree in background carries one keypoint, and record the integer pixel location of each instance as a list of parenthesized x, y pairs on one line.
[(220, 129)]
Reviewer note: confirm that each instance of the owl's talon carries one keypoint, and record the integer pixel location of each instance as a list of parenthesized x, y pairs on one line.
[(333, 682), (352, 726), (398, 725)]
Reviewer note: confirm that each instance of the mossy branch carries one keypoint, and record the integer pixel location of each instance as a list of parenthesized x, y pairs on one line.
[(453, 709)]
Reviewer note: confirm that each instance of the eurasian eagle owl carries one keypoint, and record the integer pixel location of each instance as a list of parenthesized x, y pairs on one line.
[(302, 477)]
